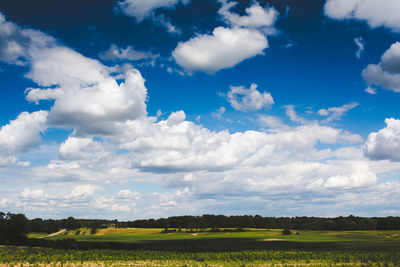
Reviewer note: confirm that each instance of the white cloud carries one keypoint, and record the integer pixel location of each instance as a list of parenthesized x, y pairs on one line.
[(370, 90), (223, 49), (218, 113), (88, 97), (384, 144), (83, 191), (33, 194), (115, 143), (228, 46), (141, 9), (386, 73), (245, 99), (375, 13), (115, 53), (128, 194), (270, 121), (21, 135), (293, 116), (360, 45), (336, 113), (257, 16), (15, 41)]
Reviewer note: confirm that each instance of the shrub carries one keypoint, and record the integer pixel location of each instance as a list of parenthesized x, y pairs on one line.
[(286, 232)]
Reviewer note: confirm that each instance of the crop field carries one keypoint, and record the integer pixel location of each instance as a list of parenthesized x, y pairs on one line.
[(54, 257), (249, 248)]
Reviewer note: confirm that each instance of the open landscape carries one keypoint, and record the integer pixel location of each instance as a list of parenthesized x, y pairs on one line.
[(251, 247), (200, 133)]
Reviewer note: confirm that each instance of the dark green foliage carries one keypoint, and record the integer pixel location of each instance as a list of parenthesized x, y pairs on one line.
[(13, 228), (286, 232)]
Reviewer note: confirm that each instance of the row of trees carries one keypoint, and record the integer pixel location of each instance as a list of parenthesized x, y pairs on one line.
[(247, 221), (198, 223)]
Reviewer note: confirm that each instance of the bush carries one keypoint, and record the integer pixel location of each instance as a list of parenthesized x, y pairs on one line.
[(286, 232)]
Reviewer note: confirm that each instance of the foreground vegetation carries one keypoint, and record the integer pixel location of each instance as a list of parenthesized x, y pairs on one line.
[(53, 257), (179, 246)]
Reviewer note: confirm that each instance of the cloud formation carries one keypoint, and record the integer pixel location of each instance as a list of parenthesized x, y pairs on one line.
[(257, 16), (336, 113), (386, 73), (228, 46), (21, 135), (244, 99), (375, 13), (115, 53), (141, 9), (114, 143), (384, 144), (223, 49)]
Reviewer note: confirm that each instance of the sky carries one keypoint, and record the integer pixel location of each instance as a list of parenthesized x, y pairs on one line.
[(132, 109)]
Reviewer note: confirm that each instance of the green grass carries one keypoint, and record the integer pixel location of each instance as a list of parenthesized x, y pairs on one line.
[(248, 240), (141, 234), (250, 248)]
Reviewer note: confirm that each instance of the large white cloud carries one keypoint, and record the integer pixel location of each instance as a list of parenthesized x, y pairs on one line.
[(88, 96), (228, 46), (385, 74), (21, 135), (376, 13), (384, 144), (223, 49)]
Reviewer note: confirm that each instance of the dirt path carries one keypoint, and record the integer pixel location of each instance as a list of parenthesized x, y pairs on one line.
[(53, 234)]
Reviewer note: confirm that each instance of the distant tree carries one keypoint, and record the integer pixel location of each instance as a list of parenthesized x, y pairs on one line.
[(286, 232)]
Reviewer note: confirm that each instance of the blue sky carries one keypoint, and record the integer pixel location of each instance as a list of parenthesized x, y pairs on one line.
[(135, 109)]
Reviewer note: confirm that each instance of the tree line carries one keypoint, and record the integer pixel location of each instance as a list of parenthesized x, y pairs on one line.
[(14, 227)]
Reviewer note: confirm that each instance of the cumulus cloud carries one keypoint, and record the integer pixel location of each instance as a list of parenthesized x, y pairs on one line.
[(386, 73), (141, 9), (244, 99), (33, 194), (15, 41), (87, 96), (115, 53), (21, 135), (375, 13), (384, 144), (336, 113), (257, 16), (223, 49), (228, 46)]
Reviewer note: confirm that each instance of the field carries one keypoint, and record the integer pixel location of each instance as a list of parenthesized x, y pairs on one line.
[(249, 248)]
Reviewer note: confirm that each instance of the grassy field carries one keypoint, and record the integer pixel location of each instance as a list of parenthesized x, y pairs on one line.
[(249, 248), (251, 239)]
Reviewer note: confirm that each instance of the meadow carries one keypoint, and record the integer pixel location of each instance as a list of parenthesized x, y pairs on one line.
[(253, 247)]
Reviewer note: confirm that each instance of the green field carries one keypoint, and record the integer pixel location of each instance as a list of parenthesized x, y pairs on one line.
[(249, 248), (250, 239)]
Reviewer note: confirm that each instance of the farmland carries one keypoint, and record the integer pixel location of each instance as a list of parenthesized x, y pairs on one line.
[(248, 248)]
